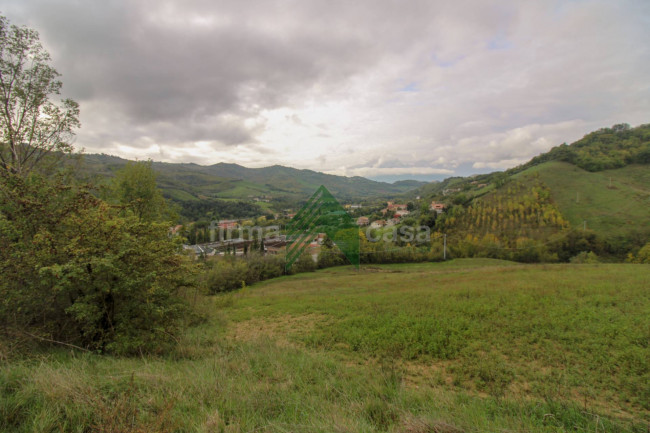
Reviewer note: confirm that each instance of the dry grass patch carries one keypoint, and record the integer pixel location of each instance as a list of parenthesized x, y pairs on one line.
[(282, 329)]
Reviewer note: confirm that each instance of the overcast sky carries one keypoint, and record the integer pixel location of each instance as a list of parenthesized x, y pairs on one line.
[(381, 89)]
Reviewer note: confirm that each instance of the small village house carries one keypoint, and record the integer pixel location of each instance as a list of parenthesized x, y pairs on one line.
[(227, 224), (378, 224), (391, 208), (400, 213), (437, 207)]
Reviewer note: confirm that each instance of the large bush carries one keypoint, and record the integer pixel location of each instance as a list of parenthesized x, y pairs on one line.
[(75, 271)]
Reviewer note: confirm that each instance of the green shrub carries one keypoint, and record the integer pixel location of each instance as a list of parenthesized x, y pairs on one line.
[(75, 271), (305, 263), (228, 273), (263, 267), (330, 257), (643, 256), (585, 257)]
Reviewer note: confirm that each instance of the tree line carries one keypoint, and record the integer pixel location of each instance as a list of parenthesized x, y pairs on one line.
[(604, 149)]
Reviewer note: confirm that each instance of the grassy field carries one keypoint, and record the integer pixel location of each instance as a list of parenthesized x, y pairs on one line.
[(613, 202), (473, 345)]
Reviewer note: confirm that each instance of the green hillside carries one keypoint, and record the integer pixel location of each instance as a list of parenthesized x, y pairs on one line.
[(613, 203), (550, 211), (598, 186), (604, 149)]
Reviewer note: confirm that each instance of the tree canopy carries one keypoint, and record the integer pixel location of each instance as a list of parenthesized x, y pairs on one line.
[(603, 149), (75, 270), (32, 126), (134, 187)]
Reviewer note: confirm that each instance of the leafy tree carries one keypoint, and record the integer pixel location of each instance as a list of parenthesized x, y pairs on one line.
[(576, 242), (328, 243), (134, 186), (75, 271), (460, 199), (428, 219), (32, 126)]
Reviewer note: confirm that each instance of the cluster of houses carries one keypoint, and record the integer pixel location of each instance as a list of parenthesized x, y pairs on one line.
[(395, 212)]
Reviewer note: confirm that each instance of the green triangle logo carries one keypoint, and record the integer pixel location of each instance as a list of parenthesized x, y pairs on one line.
[(322, 214)]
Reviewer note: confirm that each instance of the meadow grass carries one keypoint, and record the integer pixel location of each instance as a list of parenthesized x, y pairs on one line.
[(613, 202), (473, 345)]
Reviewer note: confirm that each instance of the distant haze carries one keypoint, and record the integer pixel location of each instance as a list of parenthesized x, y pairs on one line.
[(383, 89)]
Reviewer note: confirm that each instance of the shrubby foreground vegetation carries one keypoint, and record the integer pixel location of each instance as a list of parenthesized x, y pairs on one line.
[(83, 272)]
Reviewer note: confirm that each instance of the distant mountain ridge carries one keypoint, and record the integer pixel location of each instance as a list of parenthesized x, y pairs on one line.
[(185, 182)]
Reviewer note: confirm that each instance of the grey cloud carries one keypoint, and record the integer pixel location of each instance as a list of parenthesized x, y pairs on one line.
[(135, 58), (490, 83)]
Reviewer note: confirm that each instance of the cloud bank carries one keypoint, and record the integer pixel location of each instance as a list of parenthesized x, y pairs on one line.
[(370, 88)]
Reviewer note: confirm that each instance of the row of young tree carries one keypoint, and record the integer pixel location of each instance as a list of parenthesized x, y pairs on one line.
[(520, 209)]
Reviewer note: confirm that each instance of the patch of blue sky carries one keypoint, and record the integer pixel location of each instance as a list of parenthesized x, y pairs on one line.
[(560, 7), (499, 43), (446, 63), (411, 87)]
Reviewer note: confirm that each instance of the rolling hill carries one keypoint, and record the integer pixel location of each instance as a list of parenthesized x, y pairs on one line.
[(599, 185), (281, 185), (612, 202)]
